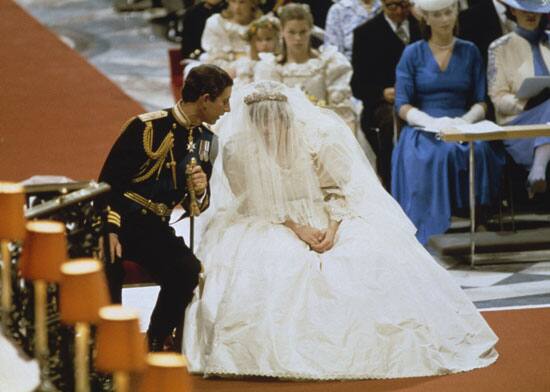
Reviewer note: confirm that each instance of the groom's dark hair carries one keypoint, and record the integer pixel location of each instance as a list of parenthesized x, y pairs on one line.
[(205, 79)]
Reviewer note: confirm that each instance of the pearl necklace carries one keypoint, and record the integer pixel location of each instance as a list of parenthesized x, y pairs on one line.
[(443, 46)]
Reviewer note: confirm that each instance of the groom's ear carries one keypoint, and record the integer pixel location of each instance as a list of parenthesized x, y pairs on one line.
[(204, 98)]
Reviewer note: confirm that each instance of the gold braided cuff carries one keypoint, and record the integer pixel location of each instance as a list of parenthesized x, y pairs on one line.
[(113, 218)]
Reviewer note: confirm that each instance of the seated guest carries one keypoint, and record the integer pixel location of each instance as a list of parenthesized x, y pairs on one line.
[(377, 47), (323, 74), (521, 54), (440, 82), (343, 17), (263, 36), (483, 23), (224, 34), (193, 22), (319, 9)]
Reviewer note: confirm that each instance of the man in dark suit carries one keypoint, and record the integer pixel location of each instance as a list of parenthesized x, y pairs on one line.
[(377, 48), (483, 23)]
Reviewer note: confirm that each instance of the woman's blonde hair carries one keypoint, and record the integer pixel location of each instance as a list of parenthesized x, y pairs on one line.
[(293, 11), (256, 11)]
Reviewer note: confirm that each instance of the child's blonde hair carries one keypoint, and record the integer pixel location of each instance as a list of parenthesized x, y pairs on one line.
[(267, 22)]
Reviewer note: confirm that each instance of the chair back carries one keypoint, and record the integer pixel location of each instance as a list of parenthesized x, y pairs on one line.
[(176, 72)]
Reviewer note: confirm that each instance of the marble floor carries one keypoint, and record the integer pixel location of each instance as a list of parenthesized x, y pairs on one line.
[(127, 49), (123, 46)]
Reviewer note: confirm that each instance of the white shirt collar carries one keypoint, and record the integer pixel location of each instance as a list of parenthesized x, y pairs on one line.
[(501, 10), (394, 26)]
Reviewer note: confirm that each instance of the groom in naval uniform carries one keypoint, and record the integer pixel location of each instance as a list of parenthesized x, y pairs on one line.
[(150, 170)]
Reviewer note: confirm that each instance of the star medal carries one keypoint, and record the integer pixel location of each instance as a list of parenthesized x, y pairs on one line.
[(191, 146)]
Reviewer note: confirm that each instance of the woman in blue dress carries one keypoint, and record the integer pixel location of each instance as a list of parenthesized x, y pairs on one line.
[(440, 82), (521, 54)]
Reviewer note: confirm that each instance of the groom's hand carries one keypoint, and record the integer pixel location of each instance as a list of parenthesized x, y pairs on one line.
[(199, 180)]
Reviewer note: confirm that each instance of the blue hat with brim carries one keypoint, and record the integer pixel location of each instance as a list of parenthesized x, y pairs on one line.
[(536, 6)]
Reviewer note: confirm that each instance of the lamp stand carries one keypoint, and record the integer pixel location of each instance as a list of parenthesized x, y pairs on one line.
[(41, 334), (81, 366), (121, 381), (6, 284)]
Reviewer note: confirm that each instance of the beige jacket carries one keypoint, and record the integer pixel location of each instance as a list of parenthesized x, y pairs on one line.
[(510, 62)]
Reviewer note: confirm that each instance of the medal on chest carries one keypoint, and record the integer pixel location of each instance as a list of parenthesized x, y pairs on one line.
[(191, 146), (204, 150)]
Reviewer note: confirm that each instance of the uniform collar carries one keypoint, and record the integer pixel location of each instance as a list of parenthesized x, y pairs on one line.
[(181, 117)]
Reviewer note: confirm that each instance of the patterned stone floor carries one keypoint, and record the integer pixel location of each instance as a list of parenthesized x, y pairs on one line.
[(126, 48)]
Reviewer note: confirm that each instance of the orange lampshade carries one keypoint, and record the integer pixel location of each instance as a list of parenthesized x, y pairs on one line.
[(44, 251), (165, 372), (12, 218), (83, 291), (120, 345)]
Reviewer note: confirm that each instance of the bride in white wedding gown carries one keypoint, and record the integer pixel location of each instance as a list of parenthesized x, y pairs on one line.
[(311, 269)]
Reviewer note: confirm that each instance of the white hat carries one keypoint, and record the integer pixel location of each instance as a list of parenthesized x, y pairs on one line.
[(434, 5)]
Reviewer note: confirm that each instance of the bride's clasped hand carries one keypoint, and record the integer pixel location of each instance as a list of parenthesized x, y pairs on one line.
[(318, 240)]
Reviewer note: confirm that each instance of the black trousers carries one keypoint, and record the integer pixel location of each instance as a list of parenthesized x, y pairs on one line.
[(153, 244), (381, 141)]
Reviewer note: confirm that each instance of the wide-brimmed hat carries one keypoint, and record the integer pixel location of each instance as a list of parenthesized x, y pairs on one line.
[(433, 5), (537, 6)]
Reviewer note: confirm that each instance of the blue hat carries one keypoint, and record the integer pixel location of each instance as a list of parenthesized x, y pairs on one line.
[(536, 6)]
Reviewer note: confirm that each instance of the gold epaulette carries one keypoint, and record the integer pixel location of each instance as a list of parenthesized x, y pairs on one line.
[(113, 217), (153, 115)]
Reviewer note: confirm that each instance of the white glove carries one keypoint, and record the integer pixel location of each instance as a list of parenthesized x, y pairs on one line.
[(509, 104), (475, 114), (418, 118)]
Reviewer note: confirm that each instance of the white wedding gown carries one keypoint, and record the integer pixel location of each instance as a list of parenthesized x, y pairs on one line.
[(376, 305), (17, 374)]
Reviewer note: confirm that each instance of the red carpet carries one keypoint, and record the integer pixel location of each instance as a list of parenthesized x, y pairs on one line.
[(58, 114), (523, 366)]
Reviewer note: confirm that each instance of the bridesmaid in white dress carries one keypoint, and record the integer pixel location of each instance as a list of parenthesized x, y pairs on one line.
[(324, 75), (223, 39), (312, 270), (263, 36), (17, 373)]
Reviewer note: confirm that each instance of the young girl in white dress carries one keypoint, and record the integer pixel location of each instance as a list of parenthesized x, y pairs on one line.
[(263, 36), (311, 269)]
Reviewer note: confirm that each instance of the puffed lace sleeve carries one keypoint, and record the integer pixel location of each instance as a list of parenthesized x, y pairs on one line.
[(244, 71), (333, 169), (267, 68), (505, 100), (212, 36), (338, 74), (215, 44)]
